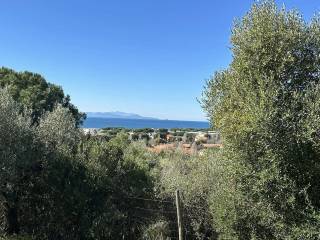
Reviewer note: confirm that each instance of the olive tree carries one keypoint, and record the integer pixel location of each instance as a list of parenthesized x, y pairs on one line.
[(43, 186), (58, 130), (266, 105), (20, 154)]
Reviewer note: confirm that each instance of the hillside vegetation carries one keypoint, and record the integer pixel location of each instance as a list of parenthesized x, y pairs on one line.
[(266, 105), (262, 184)]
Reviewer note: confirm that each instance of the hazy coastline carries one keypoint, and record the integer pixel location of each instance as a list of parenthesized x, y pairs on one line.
[(91, 122)]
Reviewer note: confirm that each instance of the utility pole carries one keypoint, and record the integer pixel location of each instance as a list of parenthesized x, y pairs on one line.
[(179, 215)]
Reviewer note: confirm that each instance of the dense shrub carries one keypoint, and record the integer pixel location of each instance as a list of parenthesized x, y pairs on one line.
[(266, 105), (195, 176), (163, 130), (59, 184), (32, 91), (159, 230)]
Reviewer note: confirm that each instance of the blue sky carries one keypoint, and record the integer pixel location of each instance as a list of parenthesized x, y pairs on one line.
[(149, 57)]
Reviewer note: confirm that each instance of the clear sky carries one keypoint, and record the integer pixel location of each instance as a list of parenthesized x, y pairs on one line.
[(149, 57)]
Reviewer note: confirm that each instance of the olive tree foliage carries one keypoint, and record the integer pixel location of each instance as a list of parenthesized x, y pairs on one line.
[(58, 130), (36, 178), (122, 178), (18, 152), (57, 183), (15, 129), (266, 105), (42, 186), (196, 176), (63, 189), (159, 230)]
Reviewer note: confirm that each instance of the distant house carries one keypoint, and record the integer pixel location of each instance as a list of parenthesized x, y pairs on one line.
[(170, 138), (201, 137), (90, 131), (212, 137)]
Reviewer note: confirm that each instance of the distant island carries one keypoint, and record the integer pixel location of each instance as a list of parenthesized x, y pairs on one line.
[(118, 115)]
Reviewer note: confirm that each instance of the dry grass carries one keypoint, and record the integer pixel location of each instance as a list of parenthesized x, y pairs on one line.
[(186, 147)]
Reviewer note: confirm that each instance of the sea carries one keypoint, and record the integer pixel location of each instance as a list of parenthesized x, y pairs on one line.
[(92, 122)]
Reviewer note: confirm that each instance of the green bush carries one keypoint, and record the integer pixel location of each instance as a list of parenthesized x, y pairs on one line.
[(159, 230), (143, 130), (33, 92), (266, 105), (196, 177), (163, 130), (60, 184)]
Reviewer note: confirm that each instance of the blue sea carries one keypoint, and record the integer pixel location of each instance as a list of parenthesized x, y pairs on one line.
[(142, 123)]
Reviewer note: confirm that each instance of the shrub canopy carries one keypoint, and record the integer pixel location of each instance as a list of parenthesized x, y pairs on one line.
[(36, 94), (267, 106)]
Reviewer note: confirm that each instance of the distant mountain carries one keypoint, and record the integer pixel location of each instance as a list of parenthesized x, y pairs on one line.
[(121, 115)]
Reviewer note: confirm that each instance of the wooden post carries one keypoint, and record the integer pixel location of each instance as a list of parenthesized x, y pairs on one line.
[(179, 215)]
